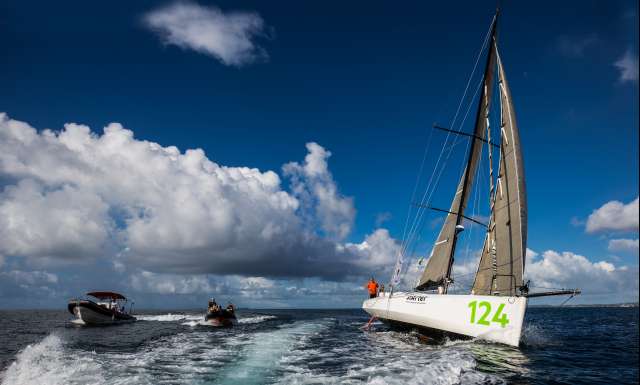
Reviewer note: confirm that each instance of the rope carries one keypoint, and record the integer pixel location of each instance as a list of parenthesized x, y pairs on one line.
[(368, 324)]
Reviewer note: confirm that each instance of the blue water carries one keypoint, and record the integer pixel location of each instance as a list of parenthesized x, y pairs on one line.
[(570, 345)]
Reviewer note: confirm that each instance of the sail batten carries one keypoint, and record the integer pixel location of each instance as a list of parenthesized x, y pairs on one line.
[(501, 267), (438, 270)]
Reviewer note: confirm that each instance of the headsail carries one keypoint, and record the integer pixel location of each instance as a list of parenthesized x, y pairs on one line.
[(438, 269), (503, 255)]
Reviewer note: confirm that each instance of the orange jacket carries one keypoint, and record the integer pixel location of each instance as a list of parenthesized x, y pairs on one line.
[(372, 286)]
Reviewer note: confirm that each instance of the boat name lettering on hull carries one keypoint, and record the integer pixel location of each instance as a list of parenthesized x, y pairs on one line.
[(417, 298)]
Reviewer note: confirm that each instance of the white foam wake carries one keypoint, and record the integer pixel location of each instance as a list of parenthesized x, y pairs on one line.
[(47, 363), (242, 320), (256, 319), (382, 358), (262, 355), (168, 317)]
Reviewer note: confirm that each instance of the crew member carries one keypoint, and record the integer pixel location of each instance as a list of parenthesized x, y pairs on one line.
[(213, 306), (372, 287)]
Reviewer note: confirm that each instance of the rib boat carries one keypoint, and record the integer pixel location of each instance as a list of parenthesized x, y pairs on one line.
[(217, 316), (495, 307), (108, 308)]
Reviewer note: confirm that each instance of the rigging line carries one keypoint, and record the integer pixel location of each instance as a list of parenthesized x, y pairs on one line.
[(431, 188), (482, 48), (417, 223), (415, 188), (404, 244), (484, 44), (422, 223), (451, 149), (475, 206), (408, 239), (475, 65)]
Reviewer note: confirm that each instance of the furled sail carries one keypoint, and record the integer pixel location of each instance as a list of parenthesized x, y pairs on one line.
[(503, 255), (438, 269)]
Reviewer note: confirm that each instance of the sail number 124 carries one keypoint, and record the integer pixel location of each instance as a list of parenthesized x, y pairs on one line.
[(483, 310)]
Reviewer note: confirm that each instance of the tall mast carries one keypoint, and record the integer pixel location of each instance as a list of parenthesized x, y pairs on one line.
[(437, 273), (483, 106)]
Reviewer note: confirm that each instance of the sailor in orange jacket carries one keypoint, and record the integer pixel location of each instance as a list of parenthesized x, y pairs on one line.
[(372, 286)]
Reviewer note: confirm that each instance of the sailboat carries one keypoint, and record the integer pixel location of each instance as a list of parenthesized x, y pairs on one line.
[(494, 310)]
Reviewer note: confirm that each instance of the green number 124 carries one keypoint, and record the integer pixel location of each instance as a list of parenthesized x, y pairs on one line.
[(483, 309)]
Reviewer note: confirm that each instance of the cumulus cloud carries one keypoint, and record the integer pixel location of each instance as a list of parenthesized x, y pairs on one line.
[(627, 64), (614, 216), (313, 184), (228, 36), (570, 270), (77, 196), (377, 251), (625, 245), (62, 222)]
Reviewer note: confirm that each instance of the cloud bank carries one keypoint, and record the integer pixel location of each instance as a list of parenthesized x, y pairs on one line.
[(77, 197), (569, 270), (229, 37), (614, 216)]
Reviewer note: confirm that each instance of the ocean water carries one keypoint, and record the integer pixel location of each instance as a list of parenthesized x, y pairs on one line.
[(570, 345)]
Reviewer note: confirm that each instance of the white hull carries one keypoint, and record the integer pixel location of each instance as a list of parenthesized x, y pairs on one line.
[(89, 317), (492, 318)]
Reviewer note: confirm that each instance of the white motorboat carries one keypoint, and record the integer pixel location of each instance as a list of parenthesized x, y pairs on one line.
[(109, 308)]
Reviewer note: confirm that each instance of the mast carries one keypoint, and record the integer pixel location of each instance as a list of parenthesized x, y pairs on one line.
[(501, 267), (483, 106), (437, 273)]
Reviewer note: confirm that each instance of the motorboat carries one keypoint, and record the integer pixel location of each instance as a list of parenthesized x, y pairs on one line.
[(217, 316), (108, 308)]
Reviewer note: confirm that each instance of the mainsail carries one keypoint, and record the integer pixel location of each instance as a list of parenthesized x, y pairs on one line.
[(438, 269), (503, 255)]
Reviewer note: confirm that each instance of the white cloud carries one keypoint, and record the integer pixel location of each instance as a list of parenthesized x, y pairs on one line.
[(614, 216), (258, 292), (628, 67), (148, 282), (313, 184), (377, 251), (77, 196), (39, 222), (229, 37), (569, 270), (31, 278), (629, 245)]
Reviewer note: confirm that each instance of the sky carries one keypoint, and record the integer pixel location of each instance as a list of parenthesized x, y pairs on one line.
[(268, 153)]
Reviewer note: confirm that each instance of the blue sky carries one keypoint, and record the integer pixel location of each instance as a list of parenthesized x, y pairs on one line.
[(363, 81)]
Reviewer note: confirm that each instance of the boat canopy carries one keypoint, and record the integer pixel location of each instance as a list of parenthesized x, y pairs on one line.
[(102, 295)]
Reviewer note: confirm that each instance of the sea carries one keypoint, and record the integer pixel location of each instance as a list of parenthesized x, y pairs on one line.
[(560, 345)]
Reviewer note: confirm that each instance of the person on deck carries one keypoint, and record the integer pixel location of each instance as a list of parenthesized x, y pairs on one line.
[(372, 287), (213, 306)]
